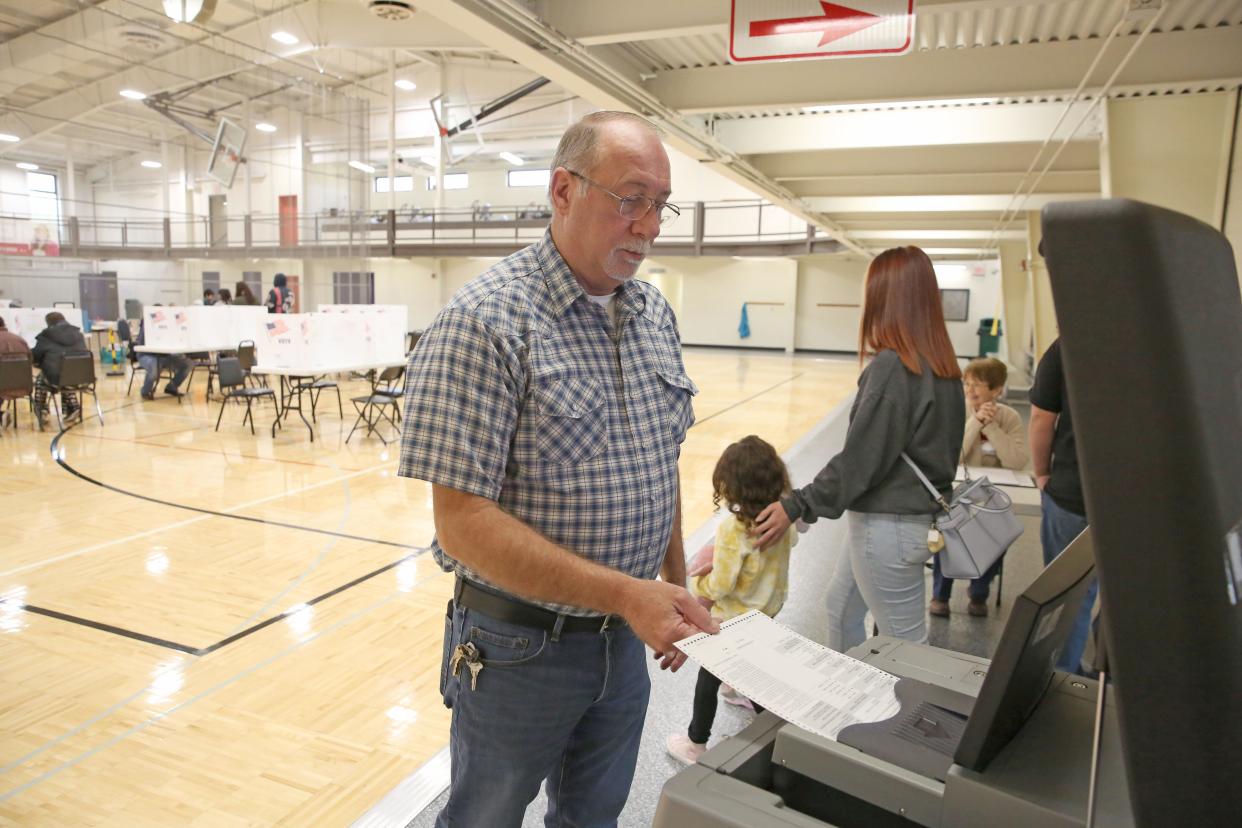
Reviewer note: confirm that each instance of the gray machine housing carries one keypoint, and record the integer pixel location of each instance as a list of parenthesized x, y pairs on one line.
[(777, 774)]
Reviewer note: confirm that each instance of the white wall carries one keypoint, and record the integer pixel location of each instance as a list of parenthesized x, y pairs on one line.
[(830, 294), (983, 281), (152, 281), (414, 283), (713, 290), (40, 282)]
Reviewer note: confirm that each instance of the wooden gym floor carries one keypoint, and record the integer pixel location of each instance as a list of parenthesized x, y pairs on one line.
[(201, 628)]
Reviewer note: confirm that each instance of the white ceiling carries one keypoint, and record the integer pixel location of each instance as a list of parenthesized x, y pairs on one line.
[(927, 147)]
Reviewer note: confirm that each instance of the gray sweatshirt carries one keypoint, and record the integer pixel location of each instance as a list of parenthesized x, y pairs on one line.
[(894, 411)]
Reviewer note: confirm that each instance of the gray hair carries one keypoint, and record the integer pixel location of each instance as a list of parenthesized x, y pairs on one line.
[(579, 146)]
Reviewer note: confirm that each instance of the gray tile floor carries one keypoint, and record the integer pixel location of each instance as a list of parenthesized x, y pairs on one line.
[(810, 566)]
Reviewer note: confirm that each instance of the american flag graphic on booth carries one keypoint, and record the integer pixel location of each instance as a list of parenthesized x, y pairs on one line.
[(277, 328)]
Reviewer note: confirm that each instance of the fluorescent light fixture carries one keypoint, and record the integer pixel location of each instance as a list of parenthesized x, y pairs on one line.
[(133, 94), (26, 165), (9, 139), (152, 165), (513, 158), (285, 38), (361, 167), (265, 127), (407, 85)]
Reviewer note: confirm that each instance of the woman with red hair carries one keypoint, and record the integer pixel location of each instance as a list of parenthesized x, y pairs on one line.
[(909, 400)]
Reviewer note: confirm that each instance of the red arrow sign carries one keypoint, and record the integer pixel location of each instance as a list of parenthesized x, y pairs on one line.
[(835, 23)]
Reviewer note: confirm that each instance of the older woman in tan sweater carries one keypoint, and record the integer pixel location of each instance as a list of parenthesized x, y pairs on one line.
[(994, 437)]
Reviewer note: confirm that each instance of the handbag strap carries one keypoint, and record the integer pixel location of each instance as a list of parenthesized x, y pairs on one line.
[(927, 483)]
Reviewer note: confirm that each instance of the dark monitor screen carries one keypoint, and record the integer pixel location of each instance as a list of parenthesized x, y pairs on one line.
[(1023, 665), (1150, 315)]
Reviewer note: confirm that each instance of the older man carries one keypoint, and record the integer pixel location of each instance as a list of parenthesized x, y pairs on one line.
[(546, 406)]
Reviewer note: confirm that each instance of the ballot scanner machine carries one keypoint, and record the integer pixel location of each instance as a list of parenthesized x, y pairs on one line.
[(1151, 325)]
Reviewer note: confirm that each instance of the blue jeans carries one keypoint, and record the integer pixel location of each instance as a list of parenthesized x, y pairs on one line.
[(568, 711), (980, 588), (1057, 528), (151, 366), (881, 569)]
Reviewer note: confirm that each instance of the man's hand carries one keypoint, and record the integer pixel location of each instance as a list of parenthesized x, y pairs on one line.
[(770, 526), (661, 614), (1041, 480), (701, 563)]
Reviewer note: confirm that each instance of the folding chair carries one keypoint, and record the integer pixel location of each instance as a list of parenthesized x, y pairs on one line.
[(246, 355), (316, 388), (373, 408), (233, 387), (77, 373), (16, 374)]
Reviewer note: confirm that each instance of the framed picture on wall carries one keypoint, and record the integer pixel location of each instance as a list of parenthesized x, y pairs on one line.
[(956, 302)]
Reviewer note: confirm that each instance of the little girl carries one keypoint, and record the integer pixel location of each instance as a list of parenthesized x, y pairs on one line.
[(748, 476)]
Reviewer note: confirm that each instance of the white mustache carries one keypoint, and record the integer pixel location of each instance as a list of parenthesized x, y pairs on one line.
[(641, 249)]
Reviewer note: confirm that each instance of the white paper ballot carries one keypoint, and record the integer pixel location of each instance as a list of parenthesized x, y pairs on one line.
[(803, 682), (999, 476)]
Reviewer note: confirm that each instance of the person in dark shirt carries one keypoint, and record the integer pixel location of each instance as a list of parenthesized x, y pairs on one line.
[(51, 345), (909, 400), (1055, 459), (280, 298)]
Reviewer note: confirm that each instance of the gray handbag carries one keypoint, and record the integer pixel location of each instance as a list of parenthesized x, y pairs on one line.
[(977, 525)]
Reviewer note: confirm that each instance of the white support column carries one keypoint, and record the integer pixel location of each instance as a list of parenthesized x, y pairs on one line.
[(187, 193), (440, 144), (71, 188), (165, 194), (392, 129), (246, 166)]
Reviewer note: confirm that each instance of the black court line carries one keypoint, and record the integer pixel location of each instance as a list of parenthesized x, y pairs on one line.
[(224, 642), (185, 648), (748, 399), (150, 499), (109, 628)]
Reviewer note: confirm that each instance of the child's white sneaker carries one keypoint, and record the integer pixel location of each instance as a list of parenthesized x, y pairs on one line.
[(680, 747)]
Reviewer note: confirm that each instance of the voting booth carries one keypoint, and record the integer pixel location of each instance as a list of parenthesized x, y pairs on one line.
[(27, 322), (1151, 325), (338, 335), (201, 327)]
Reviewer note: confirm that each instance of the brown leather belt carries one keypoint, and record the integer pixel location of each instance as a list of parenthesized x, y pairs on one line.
[(506, 608)]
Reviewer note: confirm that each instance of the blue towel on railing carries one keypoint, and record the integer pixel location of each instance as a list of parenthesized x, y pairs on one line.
[(743, 327)]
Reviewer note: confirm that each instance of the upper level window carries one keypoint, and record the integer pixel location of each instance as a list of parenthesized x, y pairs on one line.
[(405, 183), (37, 182), (528, 178), (452, 181)]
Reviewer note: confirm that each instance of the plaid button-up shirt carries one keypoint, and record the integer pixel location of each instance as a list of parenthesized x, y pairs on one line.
[(519, 393)]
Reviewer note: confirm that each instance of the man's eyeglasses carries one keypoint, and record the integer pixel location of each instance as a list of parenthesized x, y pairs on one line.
[(635, 207)]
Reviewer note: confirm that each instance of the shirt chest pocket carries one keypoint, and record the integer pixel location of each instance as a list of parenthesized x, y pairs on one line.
[(679, 391), (571, 424)]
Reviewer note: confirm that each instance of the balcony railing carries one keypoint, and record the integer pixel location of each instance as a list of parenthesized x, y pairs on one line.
[(738, 228)]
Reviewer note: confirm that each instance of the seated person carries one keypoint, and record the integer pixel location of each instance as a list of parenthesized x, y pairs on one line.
[(994, 438), (51, 345), (152, 364), (11, 345)]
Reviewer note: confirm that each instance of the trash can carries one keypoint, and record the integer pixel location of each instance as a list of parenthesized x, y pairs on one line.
[(989, 342)]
